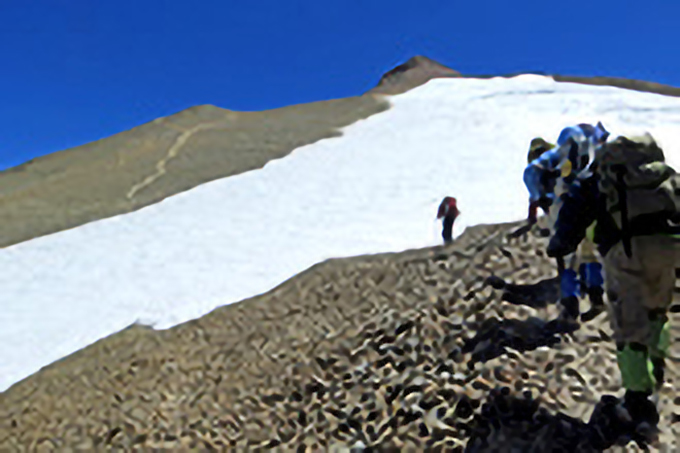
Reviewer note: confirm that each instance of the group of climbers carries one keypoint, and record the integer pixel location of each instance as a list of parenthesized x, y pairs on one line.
[(620, 197), (611, 206)]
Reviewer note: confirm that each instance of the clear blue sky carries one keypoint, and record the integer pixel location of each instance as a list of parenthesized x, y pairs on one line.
[(74, 71)]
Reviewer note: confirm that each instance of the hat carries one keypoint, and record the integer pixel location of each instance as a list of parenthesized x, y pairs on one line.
[(537, 147)]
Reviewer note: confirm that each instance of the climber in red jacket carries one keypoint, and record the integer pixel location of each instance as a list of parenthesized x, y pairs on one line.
[(449, 212)]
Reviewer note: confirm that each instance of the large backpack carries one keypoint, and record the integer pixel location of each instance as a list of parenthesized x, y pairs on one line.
[(637, 184)]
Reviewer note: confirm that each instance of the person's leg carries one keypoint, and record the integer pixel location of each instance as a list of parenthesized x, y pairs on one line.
[(625, 287), (447, 231), (659, 263), (659, 344), (569, 288), (628, 318), (532, 215), (592, 281), (640, 289)]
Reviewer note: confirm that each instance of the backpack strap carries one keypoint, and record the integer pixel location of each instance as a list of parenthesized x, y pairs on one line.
[(620, 171)]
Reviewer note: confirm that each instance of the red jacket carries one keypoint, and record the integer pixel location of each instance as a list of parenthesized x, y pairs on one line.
[(448, 208)]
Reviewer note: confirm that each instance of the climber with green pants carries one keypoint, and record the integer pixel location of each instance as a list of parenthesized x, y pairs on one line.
[(628, 204)]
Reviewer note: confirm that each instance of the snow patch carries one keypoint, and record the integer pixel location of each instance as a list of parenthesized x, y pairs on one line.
[(374, 189)]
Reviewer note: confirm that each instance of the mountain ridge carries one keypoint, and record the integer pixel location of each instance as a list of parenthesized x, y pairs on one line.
[(419, 70)]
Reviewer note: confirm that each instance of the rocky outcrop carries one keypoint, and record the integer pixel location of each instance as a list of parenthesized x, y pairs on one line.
[(415, 72), (420, 70)]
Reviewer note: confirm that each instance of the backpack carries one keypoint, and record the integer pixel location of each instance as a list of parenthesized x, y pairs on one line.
[(448, 208), (641, 191)]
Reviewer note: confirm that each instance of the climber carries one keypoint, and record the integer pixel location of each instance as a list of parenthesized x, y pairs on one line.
[(540, 174), (448, 211), (548, 176), (627, 205), (546, 162), (582, 141)]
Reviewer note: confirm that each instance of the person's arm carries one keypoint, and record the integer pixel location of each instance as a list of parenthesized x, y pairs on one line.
[(533, 180), (532, 218)]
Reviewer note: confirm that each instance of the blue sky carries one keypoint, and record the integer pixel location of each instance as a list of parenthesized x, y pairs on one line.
[(74, 71)]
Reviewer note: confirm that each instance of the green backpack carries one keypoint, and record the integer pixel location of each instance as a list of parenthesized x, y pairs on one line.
[(636, 181)]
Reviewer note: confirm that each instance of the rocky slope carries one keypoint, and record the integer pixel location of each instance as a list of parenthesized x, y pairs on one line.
[(368, 352)]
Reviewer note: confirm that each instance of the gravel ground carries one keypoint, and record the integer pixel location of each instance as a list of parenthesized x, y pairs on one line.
[(365, 353)]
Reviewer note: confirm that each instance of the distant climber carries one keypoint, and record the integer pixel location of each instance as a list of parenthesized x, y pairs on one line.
[(628, 204), (448, 211)]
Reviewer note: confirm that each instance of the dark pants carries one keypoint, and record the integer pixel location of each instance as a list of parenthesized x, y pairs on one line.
[(447, 232)]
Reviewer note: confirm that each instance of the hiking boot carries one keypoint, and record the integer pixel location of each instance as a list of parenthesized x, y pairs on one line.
[(592, 313), (596, 304), (570, 308), (616, 422), (564, 324), (607, 423), (495, 282), (644, 415)]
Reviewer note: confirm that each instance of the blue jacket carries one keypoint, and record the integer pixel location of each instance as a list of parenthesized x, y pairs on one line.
[(541, 173)]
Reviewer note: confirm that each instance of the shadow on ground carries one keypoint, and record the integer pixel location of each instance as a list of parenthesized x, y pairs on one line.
[(495, 337), (509, 423), (537, 295)]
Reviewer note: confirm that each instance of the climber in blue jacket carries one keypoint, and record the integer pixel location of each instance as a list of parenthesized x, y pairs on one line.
[(548, 176)]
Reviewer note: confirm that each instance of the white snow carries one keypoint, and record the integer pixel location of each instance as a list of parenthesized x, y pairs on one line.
[(375, 189)]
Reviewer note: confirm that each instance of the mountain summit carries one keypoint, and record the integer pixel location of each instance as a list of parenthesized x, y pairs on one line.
[(415, 72)]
